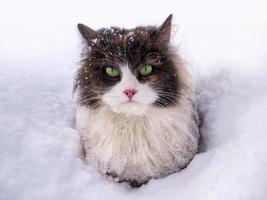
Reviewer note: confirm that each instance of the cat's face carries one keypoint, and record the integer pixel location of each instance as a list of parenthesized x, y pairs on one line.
[(128, 70)]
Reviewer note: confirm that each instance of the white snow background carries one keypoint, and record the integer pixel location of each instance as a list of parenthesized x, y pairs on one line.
[(224, 46)]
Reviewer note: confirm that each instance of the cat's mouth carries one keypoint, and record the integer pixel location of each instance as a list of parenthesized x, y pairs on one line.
[(131, 102), (130, 107)]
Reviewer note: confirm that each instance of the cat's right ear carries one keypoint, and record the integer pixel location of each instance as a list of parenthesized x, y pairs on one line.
[(87, 33)]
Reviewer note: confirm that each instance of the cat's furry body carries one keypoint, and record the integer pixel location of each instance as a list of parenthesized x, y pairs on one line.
[(140, 141), (160, 142)]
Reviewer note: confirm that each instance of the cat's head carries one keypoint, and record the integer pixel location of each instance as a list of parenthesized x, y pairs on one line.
[(128, 70)]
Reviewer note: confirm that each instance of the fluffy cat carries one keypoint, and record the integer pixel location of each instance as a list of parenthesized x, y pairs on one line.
[(135, 103)]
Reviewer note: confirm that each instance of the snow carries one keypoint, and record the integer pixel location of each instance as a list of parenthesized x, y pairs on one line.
[(224, 45), (94, 40)]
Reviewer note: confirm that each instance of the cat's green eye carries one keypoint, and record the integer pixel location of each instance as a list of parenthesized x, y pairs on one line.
[(112, 72), (146, 70)]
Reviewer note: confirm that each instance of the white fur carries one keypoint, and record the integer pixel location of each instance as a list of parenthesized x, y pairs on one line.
[(119, 102), (139, 147)]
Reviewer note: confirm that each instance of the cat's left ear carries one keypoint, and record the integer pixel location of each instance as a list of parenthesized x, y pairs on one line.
[(87, 33), (164, 31)]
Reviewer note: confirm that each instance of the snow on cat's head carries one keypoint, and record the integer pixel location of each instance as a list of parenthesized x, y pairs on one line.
[(128, 70)]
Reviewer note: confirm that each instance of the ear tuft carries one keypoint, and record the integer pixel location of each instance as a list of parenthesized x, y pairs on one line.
[(86, 32), (164, 31)]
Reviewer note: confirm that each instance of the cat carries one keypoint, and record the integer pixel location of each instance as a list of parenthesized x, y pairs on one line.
[(136, 108)]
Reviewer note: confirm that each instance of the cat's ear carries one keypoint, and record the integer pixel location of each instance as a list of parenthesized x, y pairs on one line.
[(87, 33), (164, 31)]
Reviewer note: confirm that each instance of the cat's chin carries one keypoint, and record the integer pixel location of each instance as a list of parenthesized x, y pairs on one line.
[(130, 108)]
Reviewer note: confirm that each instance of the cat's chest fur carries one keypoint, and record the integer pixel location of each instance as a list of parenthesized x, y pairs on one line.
[(160, 142)]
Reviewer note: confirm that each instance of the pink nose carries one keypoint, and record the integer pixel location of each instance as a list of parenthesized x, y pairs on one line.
[(130, 93)]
